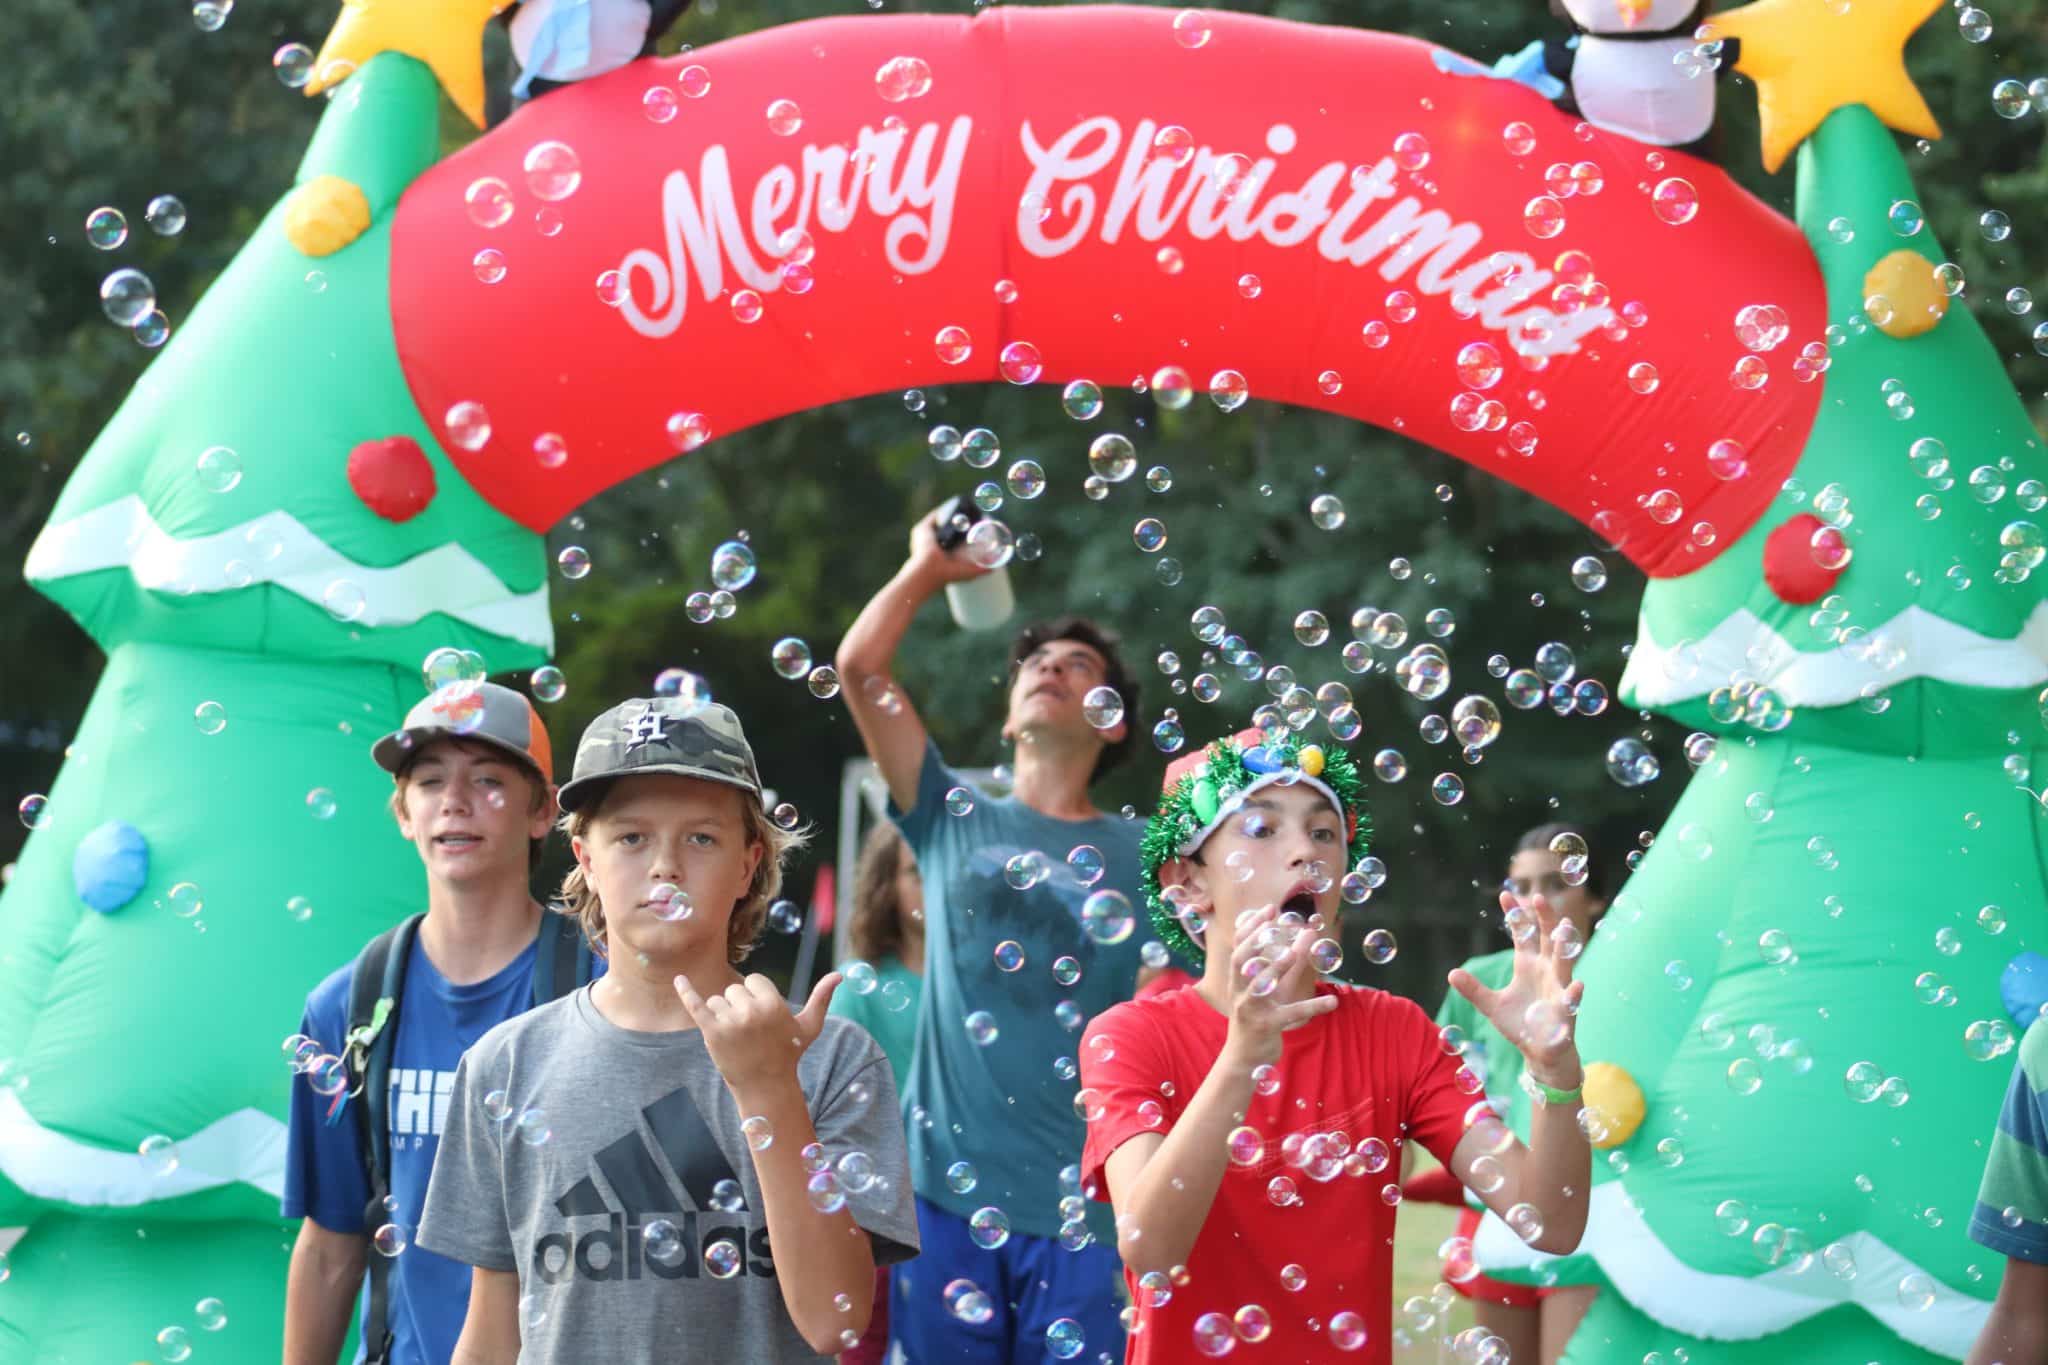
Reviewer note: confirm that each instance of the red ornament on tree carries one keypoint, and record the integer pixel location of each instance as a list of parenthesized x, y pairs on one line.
[(1798, 568), (393, 477)]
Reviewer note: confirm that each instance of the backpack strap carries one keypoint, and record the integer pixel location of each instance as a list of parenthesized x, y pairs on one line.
[(376, 988), (562, 958)]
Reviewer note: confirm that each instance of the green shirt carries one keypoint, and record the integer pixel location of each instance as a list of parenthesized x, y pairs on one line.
[(889, 1015), (1498, 1061)]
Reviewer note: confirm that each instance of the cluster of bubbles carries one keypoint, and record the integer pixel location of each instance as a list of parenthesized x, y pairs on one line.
[(174, 1343)]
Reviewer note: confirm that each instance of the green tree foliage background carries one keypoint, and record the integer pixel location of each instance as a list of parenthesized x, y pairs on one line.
[(113, 104)]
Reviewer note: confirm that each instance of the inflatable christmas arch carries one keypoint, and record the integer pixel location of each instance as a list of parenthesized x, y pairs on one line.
[(423, 365)]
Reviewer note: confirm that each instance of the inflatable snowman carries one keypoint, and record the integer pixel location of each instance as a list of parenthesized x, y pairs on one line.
[(1632, 68), (555, 42)]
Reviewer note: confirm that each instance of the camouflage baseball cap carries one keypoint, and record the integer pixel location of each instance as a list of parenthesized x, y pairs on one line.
[(480, 711), (677, 735)]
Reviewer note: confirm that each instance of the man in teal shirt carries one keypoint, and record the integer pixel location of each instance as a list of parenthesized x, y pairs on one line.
[(1031, 914)]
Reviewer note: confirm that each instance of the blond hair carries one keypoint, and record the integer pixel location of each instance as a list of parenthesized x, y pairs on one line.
[(580, 900)]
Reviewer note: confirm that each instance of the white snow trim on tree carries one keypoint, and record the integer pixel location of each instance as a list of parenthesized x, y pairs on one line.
[(1916, 642), (447, 579), (245, 1147), (1742, 1307)]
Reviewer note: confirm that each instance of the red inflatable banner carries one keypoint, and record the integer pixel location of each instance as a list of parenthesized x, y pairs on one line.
[(1350, 221)]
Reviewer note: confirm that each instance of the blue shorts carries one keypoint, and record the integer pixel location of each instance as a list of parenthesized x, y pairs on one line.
[(1031, 1282)]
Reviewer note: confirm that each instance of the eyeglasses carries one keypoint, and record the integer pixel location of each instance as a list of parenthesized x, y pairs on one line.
[(1550, 884)]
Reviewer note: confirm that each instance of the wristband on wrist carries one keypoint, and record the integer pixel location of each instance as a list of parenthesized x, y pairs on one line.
[(1549, 1094)]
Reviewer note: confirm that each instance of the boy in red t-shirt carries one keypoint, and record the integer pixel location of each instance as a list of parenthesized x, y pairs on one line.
[(1247, 1129)]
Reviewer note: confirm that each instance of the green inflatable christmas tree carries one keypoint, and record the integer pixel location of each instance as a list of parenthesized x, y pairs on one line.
[(1800, 1012), (266, 540)]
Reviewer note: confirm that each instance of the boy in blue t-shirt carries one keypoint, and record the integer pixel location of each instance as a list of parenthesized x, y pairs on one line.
[(473, 775), (1030, 906)]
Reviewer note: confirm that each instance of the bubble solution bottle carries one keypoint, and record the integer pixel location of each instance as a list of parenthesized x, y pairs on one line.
[(977, 603)]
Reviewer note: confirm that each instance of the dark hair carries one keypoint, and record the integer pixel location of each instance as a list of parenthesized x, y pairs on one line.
[(1538, 840), (537, 790), (1084, 631), (875, 929)]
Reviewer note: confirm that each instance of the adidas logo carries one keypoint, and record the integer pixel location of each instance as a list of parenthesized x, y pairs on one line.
[(666, 1181)]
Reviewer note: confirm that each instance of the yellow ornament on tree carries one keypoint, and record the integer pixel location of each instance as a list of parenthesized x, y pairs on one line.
[(325, 214), (1616, 1101), (1913, 299)]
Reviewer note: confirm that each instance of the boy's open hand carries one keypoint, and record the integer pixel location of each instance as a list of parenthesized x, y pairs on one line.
[(1258, 1016), (753, 1038), (1537, 1010)]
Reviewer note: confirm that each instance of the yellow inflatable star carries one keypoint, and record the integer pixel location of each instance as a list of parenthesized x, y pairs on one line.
[(448, 35), (1812, 57)]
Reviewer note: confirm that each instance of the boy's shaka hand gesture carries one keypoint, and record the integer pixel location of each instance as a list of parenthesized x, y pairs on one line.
[(753, 1037), (1537, 1010), (1267, 989)]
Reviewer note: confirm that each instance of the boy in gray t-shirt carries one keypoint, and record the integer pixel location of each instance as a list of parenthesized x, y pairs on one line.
[(670, 1164)]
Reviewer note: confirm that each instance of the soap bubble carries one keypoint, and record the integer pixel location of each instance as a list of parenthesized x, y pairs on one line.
[(966, 1301), (722, 1259), (489, 202), (1106, 916), (989, 1227), (903, 78), (1630, 762), (127, 296), (1081, 399), (733, 565), (1103, 707), (159, 1155), (1674, 200), (553, 171), (468, 425), (1478, 365), (1086, 863), (791, 658), (1347, 1331), (106, 228), (219, 469), (953, 345), (1543, 216), (1111, 456)]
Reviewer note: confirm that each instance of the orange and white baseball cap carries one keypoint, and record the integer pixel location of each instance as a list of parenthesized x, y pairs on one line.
[(479, 711)]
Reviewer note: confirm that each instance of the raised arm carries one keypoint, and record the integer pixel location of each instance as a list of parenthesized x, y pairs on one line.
[(889, 725), (819, 1257), (1163, 1187), (1536, 1011)]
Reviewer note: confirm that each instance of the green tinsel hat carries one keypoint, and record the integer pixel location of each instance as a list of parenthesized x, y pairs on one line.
[(1202, 789)]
